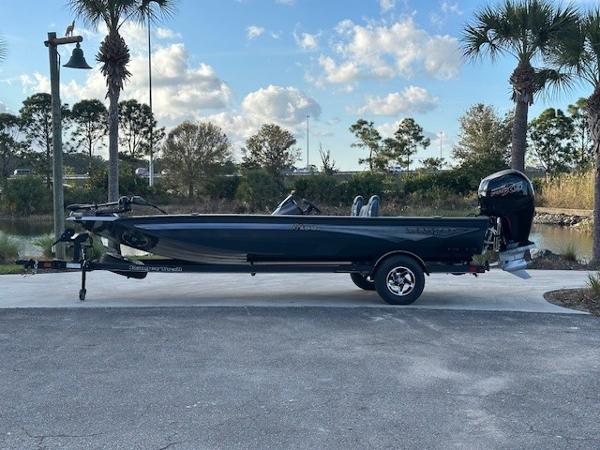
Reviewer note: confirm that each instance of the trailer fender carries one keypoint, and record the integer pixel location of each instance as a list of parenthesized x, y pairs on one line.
[(400, 252)]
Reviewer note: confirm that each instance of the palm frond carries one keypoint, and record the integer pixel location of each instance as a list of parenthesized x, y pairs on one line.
[(91, 12), (552, 81)]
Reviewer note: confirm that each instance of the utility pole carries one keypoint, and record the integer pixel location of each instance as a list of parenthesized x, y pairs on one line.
[(441, 135), (151, 174), (77, 61), (307, 143)]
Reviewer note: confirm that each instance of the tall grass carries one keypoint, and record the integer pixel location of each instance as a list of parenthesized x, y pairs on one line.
[(44, 243), (594, 284), (9, 249), (572, 191), (569, 252)]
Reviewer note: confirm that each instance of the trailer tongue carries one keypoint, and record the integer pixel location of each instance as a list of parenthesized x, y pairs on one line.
[(388, 254)]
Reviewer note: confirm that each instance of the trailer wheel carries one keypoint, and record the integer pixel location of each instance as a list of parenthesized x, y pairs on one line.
[(362, 282), (399, 280)]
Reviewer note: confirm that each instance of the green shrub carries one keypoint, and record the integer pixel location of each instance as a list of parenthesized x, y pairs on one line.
[(222, 187), (9, 249), (24, 196), (44, 243), (365, 184), (318, 188), (258, 191), (594, 284)]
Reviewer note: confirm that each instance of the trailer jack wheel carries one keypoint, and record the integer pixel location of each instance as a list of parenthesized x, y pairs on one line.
[(83, 290)]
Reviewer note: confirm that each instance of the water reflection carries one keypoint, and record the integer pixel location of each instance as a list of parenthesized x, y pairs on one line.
[(557, 239)]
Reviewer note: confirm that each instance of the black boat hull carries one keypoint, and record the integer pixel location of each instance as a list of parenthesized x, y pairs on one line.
[(238, 239)]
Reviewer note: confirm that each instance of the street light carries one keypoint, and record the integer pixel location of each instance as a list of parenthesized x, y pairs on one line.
[(77, 61)]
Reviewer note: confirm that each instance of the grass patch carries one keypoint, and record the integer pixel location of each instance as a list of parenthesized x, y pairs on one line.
[(569, 253), (9, 249), (11, 269)]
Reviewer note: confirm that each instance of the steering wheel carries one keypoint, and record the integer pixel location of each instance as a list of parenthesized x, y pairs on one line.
[(310, 207)]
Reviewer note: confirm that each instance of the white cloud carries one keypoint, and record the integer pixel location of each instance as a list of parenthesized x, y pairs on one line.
[(35, 82), (386, 5), (453, 8), (382, 51), (285, 106), (167, 33), (412, 99), (3, 108), (180, 90), (344, 73), (253, 31), (307, 41)]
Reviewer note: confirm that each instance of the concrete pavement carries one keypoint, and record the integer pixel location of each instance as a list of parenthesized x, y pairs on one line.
[(302, 378), (493, 291)]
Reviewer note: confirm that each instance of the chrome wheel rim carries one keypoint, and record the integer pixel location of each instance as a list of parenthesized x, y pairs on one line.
[(401, 281)]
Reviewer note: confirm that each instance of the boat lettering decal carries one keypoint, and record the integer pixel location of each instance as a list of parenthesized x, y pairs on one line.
[(507, 189), (433, 231), (171, 269), (304, 227)]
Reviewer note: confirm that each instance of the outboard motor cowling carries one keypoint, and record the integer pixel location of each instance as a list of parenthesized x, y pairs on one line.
[(508, 195)]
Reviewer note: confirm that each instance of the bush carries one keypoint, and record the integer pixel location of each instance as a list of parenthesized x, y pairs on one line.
[(25, 196), (44, 243), (222, 187), (594, 284), (365, 184), (258, 191), (9, 249), (318, 188)]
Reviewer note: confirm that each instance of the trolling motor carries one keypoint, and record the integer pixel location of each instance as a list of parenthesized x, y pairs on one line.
[(507, 197), (123, 205)]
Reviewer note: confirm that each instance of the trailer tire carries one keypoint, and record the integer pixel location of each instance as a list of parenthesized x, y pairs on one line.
[(362, 282), (399, 280)]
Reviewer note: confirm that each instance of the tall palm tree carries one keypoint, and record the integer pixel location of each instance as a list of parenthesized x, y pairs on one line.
[(584, 57), (114, 56), (529, 30)]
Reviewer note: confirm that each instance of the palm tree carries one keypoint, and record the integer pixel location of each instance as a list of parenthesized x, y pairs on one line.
[(114, 56), (529, 30), (584, 58)]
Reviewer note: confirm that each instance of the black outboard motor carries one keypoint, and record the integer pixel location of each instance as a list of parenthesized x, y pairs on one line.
[(508, 197)]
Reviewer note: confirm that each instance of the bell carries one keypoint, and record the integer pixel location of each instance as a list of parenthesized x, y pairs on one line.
[(77, 60)]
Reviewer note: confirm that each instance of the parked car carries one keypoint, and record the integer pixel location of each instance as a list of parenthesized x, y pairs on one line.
[(142, 172), (22, 172)]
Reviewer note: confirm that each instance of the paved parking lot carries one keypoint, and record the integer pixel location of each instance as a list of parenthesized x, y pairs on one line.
[(248, 377)]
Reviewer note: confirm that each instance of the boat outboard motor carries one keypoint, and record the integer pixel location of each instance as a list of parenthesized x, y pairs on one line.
[(508, 198)]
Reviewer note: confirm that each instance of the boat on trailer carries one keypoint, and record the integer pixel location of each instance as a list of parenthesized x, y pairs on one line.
[(391, 255)]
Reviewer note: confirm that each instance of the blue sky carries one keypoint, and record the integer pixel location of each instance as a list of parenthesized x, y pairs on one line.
[(241, 63)]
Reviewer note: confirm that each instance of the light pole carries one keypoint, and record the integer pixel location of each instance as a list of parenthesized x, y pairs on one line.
[(77, 61), (151, 168), (307, 144)]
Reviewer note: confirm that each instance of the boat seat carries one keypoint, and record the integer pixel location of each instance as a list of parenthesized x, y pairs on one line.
[(357, 205), (371, 209)]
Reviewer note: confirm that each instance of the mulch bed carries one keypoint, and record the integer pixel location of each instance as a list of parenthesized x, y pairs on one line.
[(579, 299)]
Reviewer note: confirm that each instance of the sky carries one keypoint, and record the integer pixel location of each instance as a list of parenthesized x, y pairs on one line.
[(242, 63)]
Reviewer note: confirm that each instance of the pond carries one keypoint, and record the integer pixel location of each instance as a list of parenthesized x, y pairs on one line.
[(550, 237)]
